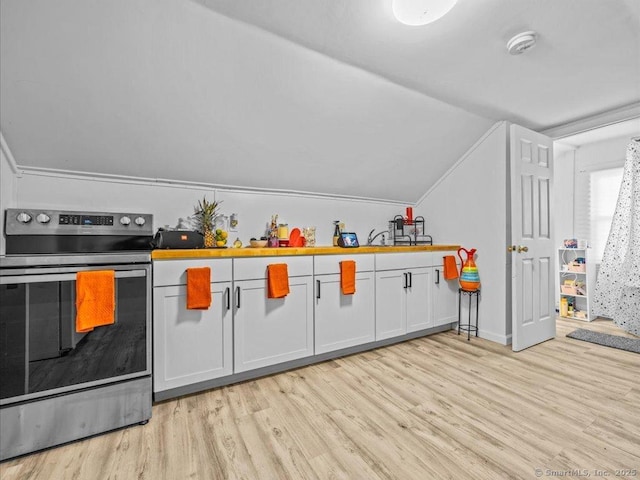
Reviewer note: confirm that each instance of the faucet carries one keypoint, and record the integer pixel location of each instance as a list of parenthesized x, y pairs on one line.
[(371, 238)]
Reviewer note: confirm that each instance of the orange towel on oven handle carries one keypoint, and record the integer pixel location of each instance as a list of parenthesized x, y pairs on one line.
[(95, 299), (450, 267), (277, 280), (198, 288), (348, 277)]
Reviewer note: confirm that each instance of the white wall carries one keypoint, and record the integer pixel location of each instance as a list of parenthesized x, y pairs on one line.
[(468, 206), (8, 187), (168, 203), (563, 208), (611, 151)]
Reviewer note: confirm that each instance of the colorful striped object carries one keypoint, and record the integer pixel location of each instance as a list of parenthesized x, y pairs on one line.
[(469, 276)]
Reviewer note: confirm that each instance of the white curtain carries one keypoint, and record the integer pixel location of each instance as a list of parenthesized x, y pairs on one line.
[(617, 293)]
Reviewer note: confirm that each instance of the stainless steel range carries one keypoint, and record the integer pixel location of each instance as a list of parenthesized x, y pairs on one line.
[(58, 384)]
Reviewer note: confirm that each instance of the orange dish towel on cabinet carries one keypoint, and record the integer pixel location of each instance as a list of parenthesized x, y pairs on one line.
[(450, 267), (277, 280), (348, 277), (95, 299), (198, 288)]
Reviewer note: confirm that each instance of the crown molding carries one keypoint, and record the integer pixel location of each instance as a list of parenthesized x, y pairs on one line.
[(610, 117)]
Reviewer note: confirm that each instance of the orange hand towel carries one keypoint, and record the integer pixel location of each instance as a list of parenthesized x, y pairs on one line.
[(198, 288), (450, 267), (348, 277), (95, 299), (277, 280)]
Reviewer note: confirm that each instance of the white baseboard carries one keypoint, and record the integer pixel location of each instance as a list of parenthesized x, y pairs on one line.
[(494, 337)]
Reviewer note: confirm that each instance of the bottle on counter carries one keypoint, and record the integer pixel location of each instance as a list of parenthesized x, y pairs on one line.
[(564, 307), (336, 232), (272, 232)]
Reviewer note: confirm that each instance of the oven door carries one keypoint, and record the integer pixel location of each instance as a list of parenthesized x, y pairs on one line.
[(41, 353)]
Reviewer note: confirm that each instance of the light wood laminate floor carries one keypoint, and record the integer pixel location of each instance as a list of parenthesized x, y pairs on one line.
[(432, 408)]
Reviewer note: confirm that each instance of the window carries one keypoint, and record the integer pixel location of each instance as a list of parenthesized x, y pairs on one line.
[(604, 190)]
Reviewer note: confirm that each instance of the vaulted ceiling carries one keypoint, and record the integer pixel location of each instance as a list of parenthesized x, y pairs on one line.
[(330, 96)]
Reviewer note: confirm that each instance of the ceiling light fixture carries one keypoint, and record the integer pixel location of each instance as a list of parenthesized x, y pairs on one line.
[(420, 12), (521, 43)]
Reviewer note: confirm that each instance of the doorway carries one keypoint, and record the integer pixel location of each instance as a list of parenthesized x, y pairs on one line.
[(585, 166)]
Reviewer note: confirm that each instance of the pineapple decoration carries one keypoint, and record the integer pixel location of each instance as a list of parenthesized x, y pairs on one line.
[(205, 214)]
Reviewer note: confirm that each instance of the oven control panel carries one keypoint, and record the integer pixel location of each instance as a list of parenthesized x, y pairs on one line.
[(55, 222), (85, 220)]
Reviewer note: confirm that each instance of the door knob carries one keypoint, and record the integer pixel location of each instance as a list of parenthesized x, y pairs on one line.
[(522, 249), (511, 248)]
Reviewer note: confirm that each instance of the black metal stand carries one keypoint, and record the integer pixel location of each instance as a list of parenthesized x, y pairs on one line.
[(407, 233), (468, 327)]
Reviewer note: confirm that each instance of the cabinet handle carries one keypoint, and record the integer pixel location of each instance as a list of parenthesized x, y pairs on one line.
[(406, 281), (237, 297), (318, 289), (227, 294), (410, 279), (437, 276)]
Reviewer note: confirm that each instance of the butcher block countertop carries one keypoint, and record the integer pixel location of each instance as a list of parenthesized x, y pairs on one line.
[(284, 251)]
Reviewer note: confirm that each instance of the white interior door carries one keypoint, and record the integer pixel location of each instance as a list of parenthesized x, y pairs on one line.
[(532, 272)]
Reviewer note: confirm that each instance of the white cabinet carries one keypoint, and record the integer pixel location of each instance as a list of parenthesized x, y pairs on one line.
[(190, 346), (391, 304), (444, 298), (268, 331), (412, 294), (419, 315), (403, 299), (577, 274), (396, 293), (343, 320), (403, 293)]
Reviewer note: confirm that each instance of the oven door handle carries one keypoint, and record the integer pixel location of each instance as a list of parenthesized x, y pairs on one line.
[(63, 277)]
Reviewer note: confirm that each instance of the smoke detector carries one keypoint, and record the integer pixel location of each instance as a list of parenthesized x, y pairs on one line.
[(521, 43)]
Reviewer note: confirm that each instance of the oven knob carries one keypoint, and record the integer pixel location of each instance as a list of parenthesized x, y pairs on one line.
[(23, 217), (125, 221), (43, 218), (140, 221)]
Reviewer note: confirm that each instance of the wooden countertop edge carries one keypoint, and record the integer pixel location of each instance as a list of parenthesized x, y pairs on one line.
[(286, 251)]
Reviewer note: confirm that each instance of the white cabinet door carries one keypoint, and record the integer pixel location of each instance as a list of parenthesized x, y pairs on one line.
[(190, 346), (343, 320), (533, 318), (268, 331), (444, 298), (419, 299), (391, 316)]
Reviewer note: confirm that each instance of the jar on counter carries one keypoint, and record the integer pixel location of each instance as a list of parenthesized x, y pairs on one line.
[(283, 231), (309, 234)]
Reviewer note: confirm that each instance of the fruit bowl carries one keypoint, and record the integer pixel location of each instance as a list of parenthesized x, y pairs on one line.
[(258, 243)]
